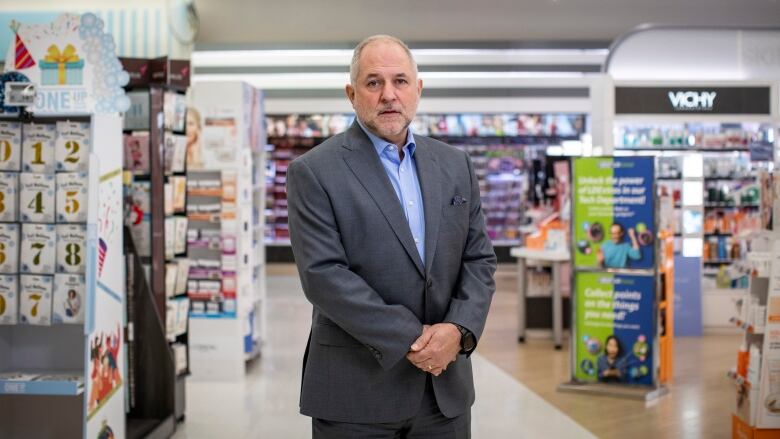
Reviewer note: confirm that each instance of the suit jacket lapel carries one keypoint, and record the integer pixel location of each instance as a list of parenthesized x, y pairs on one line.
[(430, 183), (364, 162)]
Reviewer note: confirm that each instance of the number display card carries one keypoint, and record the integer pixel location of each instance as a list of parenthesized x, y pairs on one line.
[(9, 300), (71, 151), (36, 198), (69, 299), (38, 148), (9, 191), (10, 146), (72, 197), (38, 248), (9, 248), (71, 248), (35, 299)]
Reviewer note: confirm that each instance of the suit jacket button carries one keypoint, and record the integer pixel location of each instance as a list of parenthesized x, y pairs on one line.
[(430, 283)]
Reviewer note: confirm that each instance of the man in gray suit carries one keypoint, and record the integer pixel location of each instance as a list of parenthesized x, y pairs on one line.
[(389, 238)]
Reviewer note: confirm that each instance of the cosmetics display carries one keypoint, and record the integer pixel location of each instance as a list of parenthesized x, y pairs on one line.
[(501, 147)]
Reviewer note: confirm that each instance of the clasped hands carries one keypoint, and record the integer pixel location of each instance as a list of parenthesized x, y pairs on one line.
[(436, 348)]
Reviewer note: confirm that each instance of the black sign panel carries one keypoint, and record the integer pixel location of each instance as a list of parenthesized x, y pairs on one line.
[(692, 100)]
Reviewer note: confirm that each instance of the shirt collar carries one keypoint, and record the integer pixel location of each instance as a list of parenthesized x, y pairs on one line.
[(381, 144)]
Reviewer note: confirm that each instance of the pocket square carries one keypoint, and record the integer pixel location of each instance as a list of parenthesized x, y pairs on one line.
[(457, 200)]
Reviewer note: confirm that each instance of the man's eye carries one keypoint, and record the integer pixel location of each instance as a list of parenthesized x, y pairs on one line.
[(401, 81), (372, 84)]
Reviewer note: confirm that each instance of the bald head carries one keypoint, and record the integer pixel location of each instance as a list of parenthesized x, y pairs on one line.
[(354, 67)]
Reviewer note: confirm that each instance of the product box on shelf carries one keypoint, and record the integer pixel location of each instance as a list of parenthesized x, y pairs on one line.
[(168, 199), (36, 197), (137, 117), (138, 218), (170, 238), (68, 299), (71, 250), (180, 357), (175, 111), (10, 146), (9, 300), (171, 272), (35, 293), (38, 248), (180, 235), (9, 248), (175, 152), (9, 190), (137, 152), (38, 147), (179, 186), (71, 151), (72, 190)]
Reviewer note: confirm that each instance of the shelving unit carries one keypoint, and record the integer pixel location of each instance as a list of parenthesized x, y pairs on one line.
[(729, 143), (502, 148), (755, 410), (51, 361), (156, 181), (227, 279)]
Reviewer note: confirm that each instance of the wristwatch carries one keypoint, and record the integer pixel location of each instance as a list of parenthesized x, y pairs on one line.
[(467, 340)]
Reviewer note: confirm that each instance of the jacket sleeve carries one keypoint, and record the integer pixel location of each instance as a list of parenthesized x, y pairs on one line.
[(473, 292), (388, 331)]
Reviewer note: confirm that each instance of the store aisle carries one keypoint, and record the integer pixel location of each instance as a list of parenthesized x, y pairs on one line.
[(266, 404)]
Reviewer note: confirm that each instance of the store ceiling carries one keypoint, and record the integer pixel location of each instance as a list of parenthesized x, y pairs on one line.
[(291, 23)]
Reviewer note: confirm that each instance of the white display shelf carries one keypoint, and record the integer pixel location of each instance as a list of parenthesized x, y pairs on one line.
[(35, 384)]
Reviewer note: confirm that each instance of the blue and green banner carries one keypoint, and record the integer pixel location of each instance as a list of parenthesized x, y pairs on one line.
[(613, 212), (614, 328)]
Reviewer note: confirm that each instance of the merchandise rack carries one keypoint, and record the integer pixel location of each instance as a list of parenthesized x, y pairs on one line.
[(501, 147), (65, 349), (150, 102), (227, 195), (736, 131), (755, 414)]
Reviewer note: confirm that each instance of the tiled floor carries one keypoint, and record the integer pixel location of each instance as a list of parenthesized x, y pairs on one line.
[(266, 404)]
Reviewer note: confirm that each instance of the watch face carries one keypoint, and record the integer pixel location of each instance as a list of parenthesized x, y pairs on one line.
[(467, 343)]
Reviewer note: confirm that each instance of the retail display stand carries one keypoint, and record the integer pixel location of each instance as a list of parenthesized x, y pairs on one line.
[(226, 280), (502, 146), (618, 322), (62, 351), (757, 413), (155, 162), (712, 139)]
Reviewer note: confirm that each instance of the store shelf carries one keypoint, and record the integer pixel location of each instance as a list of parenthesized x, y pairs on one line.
[(719, 234), (678, 178), (718, 261), (201, 192), (35, 383), (667, 148), (730, 206)]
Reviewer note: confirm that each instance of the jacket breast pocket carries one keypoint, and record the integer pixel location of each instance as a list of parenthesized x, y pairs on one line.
[(331, 335)]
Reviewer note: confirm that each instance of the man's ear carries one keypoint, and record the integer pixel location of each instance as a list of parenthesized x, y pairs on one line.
[(419, 87), (350, 91)]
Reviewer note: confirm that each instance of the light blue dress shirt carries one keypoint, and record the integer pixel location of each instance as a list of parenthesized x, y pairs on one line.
[(403, 177)]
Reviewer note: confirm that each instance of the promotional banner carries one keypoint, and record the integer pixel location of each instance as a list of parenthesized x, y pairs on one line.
[(613, 221), (72, 60), (614, 327)]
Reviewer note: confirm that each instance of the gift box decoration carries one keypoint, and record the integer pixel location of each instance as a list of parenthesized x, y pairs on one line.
[(61, 67)]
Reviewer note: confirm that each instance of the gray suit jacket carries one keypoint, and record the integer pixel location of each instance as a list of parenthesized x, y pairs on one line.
[(371, 293)]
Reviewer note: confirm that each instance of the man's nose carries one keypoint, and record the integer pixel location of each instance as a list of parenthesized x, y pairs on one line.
[(388, 92)]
